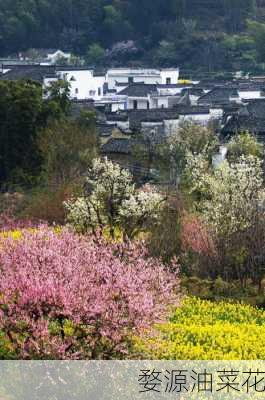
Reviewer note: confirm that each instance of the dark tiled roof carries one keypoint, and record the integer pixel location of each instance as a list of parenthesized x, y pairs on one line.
[(117, 117), (249, 86), (118, 146), (231, 107), (105, 130), (240, 123), (193, 91), (218, 95), (123, 84), (184, 109), (51, 75), (73, 68), (185, 100), (77, 106), (28, 72), (138, 90), (153, 115), (171, 86)]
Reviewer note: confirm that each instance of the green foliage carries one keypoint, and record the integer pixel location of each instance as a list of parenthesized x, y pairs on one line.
[(257, 33), (58, 93), (219, 289), (95, 54), (204, 330), (197, 139), (23, 112), (164, 239), (244, 144), (170, 158), (67, 148), (46, 203), (173, 32)]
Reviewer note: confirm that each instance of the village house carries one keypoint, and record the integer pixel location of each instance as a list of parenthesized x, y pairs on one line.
[(126, 76), (84, 83)]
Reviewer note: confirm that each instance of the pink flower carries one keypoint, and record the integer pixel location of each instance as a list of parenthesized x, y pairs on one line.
[(68, 297)]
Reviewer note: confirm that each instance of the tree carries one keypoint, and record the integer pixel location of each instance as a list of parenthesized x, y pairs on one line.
[(169, 158), (95, 54), (58, 94), (236, 13), (170, 32), (24, 112), (67, 148), (164, 239), (257, 33), (111, 200), (244, 144), (229, 205), (21, 115), (228, 197)]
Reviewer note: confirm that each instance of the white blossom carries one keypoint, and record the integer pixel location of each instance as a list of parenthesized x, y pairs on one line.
[(229, 196), (111, 199)]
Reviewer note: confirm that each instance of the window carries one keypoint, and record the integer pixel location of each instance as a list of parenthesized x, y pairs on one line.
[(135, 104), (168, 81), (99, 91), (148, 105), (76, 91), (130, 80), (92, 93)]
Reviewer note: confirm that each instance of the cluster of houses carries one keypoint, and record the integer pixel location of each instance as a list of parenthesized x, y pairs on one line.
[(153, 101)]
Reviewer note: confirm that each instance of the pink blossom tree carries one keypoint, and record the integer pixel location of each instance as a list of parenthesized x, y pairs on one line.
[(65, 296)]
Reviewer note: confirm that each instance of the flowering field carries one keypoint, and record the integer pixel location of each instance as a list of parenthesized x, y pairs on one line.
[(204, 330)]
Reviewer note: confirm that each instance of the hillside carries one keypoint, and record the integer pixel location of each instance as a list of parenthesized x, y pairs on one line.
[(209, 35)]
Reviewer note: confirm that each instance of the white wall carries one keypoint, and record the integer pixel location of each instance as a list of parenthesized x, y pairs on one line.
[(141, 104), (162, 102), (48, 81), (148, 76), (216, 113), (171, 73), (202, 119), (171, 126), (170, 91), (149, 124), (117, 107), (255, 94), (83, 85)]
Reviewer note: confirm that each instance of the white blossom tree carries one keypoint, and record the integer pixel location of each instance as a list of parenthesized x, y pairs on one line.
[(229, 196), (111, 200)]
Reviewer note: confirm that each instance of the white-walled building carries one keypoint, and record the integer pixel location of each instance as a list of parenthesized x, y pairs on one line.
[(117, 76), (83, 83), (110, 88)]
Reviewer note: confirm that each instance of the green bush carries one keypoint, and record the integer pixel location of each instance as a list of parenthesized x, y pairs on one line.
[(219, 289)]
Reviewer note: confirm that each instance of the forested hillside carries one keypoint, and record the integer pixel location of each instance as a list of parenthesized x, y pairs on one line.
[(207, 34)]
